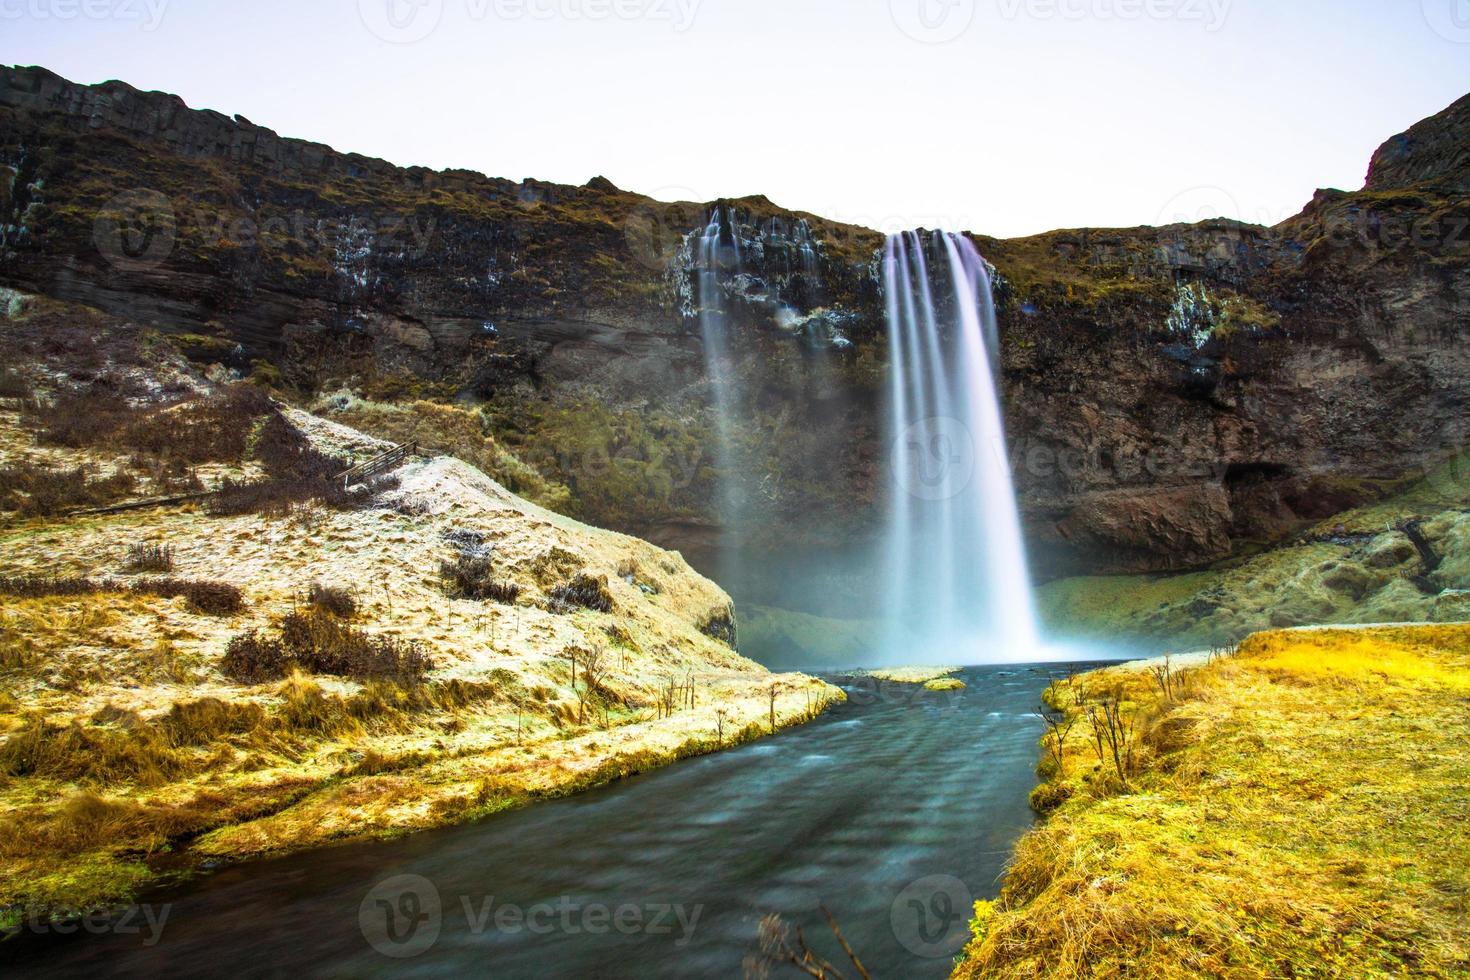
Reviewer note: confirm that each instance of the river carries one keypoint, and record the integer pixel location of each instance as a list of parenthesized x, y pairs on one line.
[(894, 811)]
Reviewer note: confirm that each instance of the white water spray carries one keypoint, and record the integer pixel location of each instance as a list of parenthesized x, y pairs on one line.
[(959, 589), (717, 258)]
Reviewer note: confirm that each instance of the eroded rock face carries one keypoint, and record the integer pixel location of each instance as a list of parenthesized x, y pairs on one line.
[(1171, 392)]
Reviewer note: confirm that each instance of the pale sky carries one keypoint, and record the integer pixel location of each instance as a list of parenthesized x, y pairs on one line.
[(1005, 117)]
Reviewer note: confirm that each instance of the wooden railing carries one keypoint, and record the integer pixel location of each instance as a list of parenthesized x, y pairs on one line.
[(379, 465)]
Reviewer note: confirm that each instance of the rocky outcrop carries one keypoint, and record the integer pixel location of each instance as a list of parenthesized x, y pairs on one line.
[(1173, 393), (1434, 152)]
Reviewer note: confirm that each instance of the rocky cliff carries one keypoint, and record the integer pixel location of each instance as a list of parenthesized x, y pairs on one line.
[(1175, 394)]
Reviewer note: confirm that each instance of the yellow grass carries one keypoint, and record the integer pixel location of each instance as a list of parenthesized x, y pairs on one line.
[(121, 739), (910, 675), (1300, 810)]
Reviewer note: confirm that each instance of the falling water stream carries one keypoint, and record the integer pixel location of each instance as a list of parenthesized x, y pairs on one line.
[(717, 259), (959, 590)]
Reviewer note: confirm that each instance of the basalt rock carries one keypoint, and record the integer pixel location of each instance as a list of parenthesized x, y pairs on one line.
[(1172, 393)]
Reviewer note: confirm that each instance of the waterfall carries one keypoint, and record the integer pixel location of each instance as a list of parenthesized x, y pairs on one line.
[(718, 257), (959, 590)]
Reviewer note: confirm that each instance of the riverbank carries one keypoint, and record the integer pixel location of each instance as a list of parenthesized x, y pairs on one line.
[(1297, 808), (290, 664)]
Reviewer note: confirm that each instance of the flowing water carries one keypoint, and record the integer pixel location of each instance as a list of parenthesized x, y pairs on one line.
[(959, 588), (893, 811), (717, 258)]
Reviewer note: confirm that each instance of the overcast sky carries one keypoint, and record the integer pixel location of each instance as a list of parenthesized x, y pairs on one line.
[(1006, 117)]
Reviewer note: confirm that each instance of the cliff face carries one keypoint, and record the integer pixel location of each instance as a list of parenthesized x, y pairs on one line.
[(1173, 393)]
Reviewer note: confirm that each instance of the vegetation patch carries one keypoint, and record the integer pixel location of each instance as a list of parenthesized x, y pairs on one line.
[(314, 641), (144, 557), (1295, 809), (210, 598), (582, 592), (33, 490), (472, 576)]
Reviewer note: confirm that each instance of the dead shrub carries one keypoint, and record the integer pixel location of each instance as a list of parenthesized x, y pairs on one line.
[(297, 474), (473, 577), (40, 491), (322, 644), (143, 557), (15, 388), (211, 430), (332, 601), (316, 642), (90, 416), (41, 587), (582, 592), (254, 659), (209, 598)]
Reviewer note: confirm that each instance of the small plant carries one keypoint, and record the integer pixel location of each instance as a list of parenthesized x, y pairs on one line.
[(332, 601), (317, 642), (1113, 734), (473, 577), (144, 557), (1059, 724), (592, 694), (255, 659), (584, 592), (1165, 677), (210, 598)]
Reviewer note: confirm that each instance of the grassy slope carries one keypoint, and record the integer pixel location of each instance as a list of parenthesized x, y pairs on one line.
[(1298, 810), (124, 749)]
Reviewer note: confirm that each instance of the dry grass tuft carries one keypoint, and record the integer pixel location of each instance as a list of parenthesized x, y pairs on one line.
[(318, 642), (472, 576), (582, 592), (144, 557), (332, 601)]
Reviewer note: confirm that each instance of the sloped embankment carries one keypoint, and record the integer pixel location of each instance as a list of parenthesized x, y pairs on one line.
[(1296, 810), (430, 650)]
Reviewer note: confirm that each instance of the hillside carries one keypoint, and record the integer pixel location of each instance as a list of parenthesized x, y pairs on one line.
[(283, 663)]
